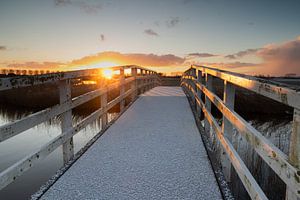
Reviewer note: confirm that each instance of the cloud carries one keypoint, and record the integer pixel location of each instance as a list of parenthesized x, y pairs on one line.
[(277, 59), (37, 65), (150, 32), (174, 21), (102, 37), (90, 9), (62, 2), (201, 55), (3, 48), (83, 5), (147, 60), (241, 54), (132, 58), (238, 67), (230, 56), (152, 60), (238, 64), (225, 65), (282, 58)]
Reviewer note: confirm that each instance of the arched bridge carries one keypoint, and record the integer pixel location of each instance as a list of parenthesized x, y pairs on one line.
[(166, 142)]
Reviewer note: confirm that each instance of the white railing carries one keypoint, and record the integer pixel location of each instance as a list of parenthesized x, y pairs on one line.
[(198, 80), (140, 80)]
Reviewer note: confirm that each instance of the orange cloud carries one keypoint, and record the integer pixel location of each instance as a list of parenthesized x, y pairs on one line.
[(283, 58), (117, 58), (134, 58), (37, 65)]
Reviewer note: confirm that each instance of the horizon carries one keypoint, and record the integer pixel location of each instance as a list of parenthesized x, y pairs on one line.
[(255, 38)]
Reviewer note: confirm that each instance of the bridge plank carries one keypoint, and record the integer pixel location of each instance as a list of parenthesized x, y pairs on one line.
[(153, 151)]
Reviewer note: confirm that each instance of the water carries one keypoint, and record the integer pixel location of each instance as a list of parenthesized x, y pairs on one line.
[(16, 148)]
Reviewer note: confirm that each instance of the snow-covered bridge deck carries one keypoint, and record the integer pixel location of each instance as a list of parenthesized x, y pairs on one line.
[(153, 151)]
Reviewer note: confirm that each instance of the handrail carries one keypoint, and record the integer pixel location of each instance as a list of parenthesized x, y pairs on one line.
[(139, 84), (30, 80), (253, 188), (286, 167), (273, 90)]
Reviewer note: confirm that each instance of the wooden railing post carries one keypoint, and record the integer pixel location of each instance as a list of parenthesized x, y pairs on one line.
[(122, 88), (208, 82), (146, 80), (154, 79), (294, 154), (133, 84), (141, 81), (150, 80), (193, 74), (66, 119), (199, 92), (227, 128), (103, 106)]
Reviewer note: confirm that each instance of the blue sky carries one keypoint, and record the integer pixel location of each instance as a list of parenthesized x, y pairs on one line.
[(64, 30)]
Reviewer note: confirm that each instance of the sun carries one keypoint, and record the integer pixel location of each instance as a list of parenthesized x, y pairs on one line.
[(107, 73)]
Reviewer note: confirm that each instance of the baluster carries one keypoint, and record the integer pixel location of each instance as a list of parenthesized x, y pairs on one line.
[(133, 84), (153, 77), (66, 119), (146, 81), (294, 154), (103, 106), (141, 82), (208, 82), (150, 80), (193, 74), (199, 92), (122, 89), (227, 128)]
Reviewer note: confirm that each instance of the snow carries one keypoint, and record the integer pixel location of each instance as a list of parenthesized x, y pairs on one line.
[(153, 151)]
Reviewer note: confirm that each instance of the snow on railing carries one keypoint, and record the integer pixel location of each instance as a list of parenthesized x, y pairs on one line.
[(198, 80)]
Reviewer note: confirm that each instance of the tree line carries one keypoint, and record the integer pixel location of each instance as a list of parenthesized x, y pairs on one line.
[(25, 71)]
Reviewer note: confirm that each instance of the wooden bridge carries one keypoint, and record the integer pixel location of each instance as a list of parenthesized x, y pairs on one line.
[(158, 147)]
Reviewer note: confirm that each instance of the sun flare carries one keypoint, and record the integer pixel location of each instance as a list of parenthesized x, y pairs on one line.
[(107, 73)]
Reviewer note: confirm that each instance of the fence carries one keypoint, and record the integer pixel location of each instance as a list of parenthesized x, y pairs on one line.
[(198, 82), (140, 80)]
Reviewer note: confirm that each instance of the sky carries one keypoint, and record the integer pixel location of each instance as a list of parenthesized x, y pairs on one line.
[(252, 37)]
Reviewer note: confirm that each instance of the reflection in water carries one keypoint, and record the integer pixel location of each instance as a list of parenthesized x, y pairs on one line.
[(16, 148)]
